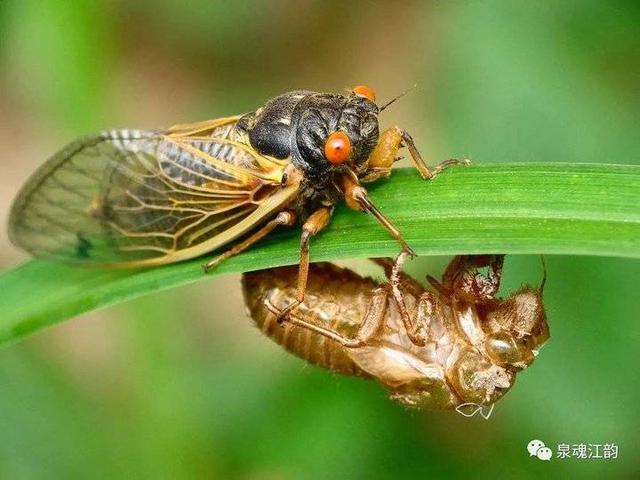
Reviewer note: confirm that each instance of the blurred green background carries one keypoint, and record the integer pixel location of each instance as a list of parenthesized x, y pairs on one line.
[(181, 385)]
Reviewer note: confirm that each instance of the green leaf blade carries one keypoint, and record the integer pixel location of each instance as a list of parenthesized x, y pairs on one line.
[(571, 209)]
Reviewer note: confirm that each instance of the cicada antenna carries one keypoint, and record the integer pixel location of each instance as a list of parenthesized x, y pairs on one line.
[(398, 97), (544, 273)]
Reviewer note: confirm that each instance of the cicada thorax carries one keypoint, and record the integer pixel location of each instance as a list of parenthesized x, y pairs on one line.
[(297, 127), (270, 128), (298, 124)]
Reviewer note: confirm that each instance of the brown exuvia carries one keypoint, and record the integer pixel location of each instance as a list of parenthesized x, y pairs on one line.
[(453, 346)]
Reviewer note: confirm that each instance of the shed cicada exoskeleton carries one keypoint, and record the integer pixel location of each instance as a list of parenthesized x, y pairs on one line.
[(454, 347), (136, 198)]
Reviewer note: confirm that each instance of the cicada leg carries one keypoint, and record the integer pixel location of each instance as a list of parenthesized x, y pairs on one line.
[(399, 282), (285, 217), (316, 222), (386, 153), (408, 282), (415, 328), (371, 322), (356, 198)]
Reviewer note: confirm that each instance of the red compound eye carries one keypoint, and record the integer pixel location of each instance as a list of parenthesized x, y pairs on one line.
[(337, 148), (364, 91)]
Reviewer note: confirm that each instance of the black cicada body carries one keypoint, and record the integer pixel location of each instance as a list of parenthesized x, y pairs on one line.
[(138, 198)]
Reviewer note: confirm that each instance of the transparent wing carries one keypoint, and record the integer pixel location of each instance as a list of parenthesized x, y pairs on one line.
[(135, 197)]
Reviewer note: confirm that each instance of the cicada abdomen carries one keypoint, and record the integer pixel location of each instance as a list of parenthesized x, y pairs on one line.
[(440, 349)]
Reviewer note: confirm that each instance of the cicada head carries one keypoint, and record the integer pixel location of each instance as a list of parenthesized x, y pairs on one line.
[(334, 132), (517, 328)]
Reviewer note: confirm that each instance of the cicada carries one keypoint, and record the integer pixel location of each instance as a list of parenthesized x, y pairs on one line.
[(131, 198), (457, 345)]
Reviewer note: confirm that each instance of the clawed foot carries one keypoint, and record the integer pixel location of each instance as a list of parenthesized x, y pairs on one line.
[(449, 163)]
